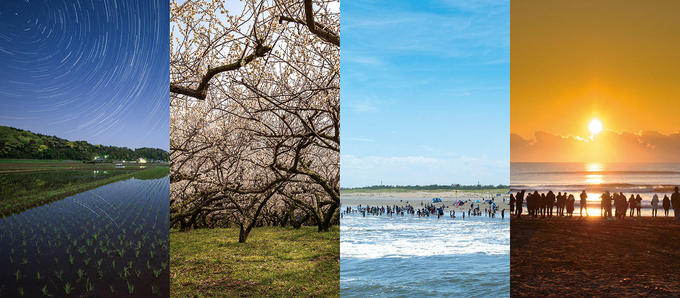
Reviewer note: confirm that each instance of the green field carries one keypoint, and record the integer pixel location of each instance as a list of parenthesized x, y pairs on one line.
[(29, 183), (274, 262)]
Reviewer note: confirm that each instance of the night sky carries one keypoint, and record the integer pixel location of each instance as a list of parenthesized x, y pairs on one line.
[(93, 70)]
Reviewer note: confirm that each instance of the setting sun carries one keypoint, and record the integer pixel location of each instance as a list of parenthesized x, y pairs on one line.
[(595, 126)]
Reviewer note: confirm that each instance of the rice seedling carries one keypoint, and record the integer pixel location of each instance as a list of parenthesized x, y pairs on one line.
[(99, 243), (88, 285), (131, 288)]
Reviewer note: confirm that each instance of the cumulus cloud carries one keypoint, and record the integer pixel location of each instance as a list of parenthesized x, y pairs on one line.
[(608, 146)]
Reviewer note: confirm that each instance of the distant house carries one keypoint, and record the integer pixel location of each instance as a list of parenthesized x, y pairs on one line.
[(141, 160)]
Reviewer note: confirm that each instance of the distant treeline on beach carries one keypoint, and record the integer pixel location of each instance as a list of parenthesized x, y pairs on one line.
[(23, 144), (427, 187)]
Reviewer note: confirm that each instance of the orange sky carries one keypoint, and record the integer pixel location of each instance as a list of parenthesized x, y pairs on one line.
[(572, 61)]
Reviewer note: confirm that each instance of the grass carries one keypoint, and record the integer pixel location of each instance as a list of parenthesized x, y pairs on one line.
[(274, 262)]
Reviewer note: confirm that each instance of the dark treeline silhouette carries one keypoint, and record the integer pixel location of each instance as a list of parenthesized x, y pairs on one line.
[(428, 187), (542, 204), (23, 144)]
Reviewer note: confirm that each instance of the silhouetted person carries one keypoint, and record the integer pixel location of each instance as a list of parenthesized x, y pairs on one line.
[(570, 205), (512, 203), (620, 201), (631, 205), (520, 202), (655, 204), (583, 203), (666, 204), (602, 204), (609, 204), (550, 203), (605, 204), (638, 204), (561, 201), (542, 203), (675, 202)]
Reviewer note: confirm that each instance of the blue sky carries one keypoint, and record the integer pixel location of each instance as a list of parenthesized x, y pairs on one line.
[(87, 70), (425, 92)]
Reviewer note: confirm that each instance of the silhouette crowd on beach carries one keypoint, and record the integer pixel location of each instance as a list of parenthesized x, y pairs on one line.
[(543, 204)]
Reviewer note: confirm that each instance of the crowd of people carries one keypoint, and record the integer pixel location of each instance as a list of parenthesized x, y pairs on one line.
[(542, 204), (427, 210)]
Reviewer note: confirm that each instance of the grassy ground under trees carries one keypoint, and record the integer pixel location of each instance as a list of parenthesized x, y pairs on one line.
[(274, 262)]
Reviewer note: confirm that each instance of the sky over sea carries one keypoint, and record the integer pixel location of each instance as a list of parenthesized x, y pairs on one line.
[(86, 70), (425, 92)]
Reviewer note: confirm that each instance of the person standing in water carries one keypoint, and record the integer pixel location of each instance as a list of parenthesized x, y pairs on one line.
[(655, 204), (583, 202), (638, 204)]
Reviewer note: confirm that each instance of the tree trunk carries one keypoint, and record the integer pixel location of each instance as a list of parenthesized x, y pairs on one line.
[(243, 233), (323, 226)]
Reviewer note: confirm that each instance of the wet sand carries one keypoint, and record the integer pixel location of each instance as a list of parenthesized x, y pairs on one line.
[(592, 256)]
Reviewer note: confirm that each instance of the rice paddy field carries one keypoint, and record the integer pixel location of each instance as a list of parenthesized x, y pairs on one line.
[(111, 240), (29, 183)]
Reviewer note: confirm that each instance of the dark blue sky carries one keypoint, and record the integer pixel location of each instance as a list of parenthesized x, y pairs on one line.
[(86, 70)]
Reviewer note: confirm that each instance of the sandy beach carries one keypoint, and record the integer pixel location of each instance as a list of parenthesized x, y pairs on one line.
[(420, 198), (592, 256)]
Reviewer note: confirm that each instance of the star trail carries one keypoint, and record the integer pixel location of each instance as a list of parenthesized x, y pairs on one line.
[(93, 70)]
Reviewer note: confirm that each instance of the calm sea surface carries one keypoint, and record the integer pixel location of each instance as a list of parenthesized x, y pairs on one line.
[(412, 257)]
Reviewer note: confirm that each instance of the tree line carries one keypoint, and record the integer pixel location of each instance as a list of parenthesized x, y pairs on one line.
[(23, 144)]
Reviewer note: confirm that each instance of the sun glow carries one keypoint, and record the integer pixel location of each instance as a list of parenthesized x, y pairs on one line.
[(595, 126)]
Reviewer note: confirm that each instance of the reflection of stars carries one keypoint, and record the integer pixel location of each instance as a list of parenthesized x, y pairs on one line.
[(85, 69)]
